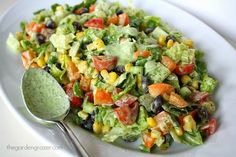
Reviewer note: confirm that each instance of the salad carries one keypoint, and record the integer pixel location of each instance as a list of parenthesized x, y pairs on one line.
[(128, 75)]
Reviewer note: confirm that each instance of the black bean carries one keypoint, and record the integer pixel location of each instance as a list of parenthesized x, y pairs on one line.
[(77, 26), (47, 69), (119, 69), (202, 115), (145, 83), (170, 37), (40, 38), (50, 24), (88, 124), (58, 65), (84, 10), (119, 12), (149, 30), (157, 105)]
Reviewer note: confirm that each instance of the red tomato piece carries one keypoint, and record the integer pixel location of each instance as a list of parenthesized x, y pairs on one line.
[(127, 114), (199, 97), (127, 99), (75, 101), (97, 23), (90, 96), (184, 69), (211, 127), (123, 19), (164, 122), (104, 62), (148, 140)]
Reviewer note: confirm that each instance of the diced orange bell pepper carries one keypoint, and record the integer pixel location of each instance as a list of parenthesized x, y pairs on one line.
[(72, 71), (168, 62), (102, 97), (27, 58), (144, 54), (85, 83), (113, 20), (92, 8), (177, 100), (148, 140), (160, 89)]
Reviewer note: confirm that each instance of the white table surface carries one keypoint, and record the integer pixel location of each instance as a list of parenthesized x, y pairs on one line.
[(14, 134)]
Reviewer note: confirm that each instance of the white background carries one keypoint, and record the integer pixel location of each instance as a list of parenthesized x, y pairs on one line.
[(219, 14)]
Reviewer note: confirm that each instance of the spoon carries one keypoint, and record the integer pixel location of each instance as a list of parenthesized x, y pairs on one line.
[(47, 102)]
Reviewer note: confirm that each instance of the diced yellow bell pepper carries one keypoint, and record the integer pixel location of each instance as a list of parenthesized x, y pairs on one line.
[(97, 127), (151, 122), (41, 63), (112, 78), (128, 67), (189, 123)]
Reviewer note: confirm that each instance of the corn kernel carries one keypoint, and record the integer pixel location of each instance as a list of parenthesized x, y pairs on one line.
[(105, 129), (188, 42), (151, 122), (79, 35), (104, 74), (189, 123), (41, 62), (97, 127), (99, 43), (82, 66), (128, 66), (162, 40), (170, 43), (155, 134), (47, 54), (195, 84), (179, 131), (185, 79), (112, 78)]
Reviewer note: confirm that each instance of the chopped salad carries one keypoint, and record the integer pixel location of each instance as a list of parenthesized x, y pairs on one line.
[(127, 74)]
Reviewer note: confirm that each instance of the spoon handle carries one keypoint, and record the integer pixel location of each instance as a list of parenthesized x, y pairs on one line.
[(78, 146)]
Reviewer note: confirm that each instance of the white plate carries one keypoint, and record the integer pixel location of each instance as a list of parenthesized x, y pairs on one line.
[(220, 56)]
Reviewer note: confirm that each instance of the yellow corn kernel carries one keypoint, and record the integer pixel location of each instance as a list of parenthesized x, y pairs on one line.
[(179, 131), (155, 134), (99, 43), (170, 43), (128, 66), (97, 127), (47, 54), (112, 77), (151, 122), (79, 35), (195, 84), (82, 66), (166, 97), (104, 74), (188, 42), (185, 79), (162, 40), (105, 129), (189, 123), (41, 62)]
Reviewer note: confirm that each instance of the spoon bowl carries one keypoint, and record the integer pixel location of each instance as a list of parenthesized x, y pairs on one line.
[(46, 100)]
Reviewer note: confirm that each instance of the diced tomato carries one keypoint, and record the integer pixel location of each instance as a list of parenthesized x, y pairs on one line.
[(184, 69), (74, 100), (127, 114), (199, 97), (102, 97), (168, 62), (160, 89), (92, 8), (90, 96), (123, 19), (84, 83), (73, 72), (113, 20), (144, 54), (27, 58), (127, 99), (35, 27), (104, 62), (97, 23), (177, 100), (148, 140), (164, 122), (211, 127)]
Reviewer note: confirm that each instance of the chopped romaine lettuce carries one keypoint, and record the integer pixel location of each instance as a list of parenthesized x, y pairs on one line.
[(13, 43), (208, 84), (62, 42)]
